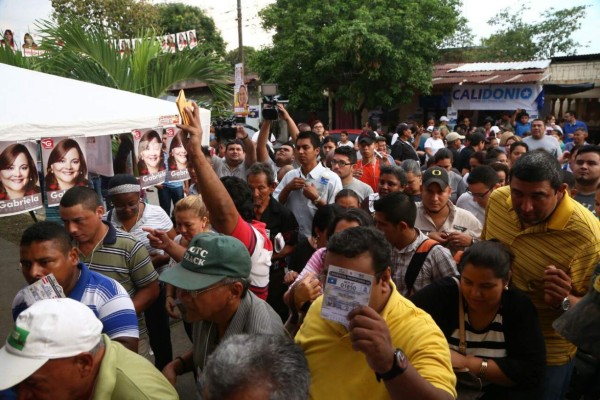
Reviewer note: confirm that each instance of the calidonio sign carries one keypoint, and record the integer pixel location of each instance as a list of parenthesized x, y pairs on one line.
[(495, 97)]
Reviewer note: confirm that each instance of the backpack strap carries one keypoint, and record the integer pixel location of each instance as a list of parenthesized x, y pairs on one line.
[(416, 263)]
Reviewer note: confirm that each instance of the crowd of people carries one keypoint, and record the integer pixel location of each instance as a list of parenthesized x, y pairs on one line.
[(477, 239)]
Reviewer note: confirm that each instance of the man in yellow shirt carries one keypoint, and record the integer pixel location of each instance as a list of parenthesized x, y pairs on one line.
[(556, 242), (392, 349)]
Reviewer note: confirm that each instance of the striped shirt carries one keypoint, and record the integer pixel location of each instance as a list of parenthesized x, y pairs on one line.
[(105, 297), (569, 240), (488, 343), (124, 259), (438, 264), (153, 217)]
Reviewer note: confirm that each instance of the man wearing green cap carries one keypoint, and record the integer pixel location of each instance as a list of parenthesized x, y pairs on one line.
[(211, 284)]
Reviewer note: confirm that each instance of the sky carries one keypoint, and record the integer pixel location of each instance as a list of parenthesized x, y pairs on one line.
[(20, 14)]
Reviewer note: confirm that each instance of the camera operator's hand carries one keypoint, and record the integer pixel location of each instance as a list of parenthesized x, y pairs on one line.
[(283, 112), (240, 133), (194, 128)]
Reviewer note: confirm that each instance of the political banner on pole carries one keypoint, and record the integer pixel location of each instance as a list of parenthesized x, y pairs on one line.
[(240, 92)]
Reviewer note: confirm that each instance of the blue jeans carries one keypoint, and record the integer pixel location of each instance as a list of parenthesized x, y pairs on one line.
[(556, 381), (168, 194)]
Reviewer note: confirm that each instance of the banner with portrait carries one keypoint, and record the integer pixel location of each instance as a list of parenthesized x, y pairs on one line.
[(182, 41), (150, 157), (65, 166), (19, 179), (177, 160), (192, 40), (240, 92)]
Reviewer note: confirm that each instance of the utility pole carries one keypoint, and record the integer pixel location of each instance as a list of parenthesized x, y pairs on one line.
[(239, 19)]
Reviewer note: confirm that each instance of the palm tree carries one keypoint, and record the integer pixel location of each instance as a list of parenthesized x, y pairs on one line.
[(87, 53)]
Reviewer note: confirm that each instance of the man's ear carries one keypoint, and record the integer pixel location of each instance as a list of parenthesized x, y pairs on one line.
[(84, 364), (100, 211)]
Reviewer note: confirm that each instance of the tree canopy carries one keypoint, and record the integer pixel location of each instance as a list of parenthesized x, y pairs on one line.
[(365, 54), (177, 17), (542, 38), (123, 18), (515, 39)]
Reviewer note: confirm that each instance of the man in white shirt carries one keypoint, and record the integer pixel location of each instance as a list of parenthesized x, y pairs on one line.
[(304, 189)]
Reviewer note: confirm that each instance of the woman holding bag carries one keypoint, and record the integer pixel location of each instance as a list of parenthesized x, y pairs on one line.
[(492, 330)]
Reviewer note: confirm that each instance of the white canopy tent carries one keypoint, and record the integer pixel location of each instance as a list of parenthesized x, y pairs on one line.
[(34, 105)]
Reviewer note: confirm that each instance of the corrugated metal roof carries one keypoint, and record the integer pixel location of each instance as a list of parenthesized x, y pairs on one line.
[(502, 66), (452, 74)]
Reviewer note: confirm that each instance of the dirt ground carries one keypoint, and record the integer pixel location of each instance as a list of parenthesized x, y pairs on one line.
[(12, 227)]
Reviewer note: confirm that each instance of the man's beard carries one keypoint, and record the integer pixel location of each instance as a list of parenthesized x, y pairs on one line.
[(586, 181)]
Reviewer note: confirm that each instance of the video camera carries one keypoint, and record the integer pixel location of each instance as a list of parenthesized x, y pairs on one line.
[(269, 109), (225, 129)]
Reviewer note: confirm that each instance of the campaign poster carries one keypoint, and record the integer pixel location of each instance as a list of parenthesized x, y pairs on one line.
[(124, 46), (19, 179), (65, 166), (192, 39), (240, 92), (168, 43), (149, 153), (182, 41), (177, 161)]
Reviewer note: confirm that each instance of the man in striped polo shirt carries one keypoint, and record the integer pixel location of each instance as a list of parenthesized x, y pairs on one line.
[(556, 242), (46, 249), (111, 252)]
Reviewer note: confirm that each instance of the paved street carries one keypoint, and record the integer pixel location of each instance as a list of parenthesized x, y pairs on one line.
[(12, 281)]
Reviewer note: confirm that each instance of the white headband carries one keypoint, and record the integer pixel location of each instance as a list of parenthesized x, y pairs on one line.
[(125, 188)]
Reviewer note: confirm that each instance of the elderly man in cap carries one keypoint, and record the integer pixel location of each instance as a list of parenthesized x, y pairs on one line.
[(441, 220), (212, 290), (56, 351)]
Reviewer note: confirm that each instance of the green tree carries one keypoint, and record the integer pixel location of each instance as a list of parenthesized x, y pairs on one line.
[(178, 17), (364, 54), (89, 55), (543, 38), (123, 18), (233, 56)]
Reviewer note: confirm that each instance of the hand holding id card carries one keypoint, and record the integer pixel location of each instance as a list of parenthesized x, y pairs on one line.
[(46, 288), (344, 291)]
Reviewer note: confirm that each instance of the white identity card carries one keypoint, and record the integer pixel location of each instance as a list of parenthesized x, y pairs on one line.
[(344, 291), (46, 288)]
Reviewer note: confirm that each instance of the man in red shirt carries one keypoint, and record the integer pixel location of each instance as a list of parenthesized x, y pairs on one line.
[(367, 169)]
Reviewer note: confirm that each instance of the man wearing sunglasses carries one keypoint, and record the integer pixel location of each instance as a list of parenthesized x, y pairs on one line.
[(482, 181), (343, 160), (211, 285)]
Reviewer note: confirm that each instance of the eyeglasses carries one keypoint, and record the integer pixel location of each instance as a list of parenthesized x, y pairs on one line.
[(479, 195), (195, 293), (340, 163)]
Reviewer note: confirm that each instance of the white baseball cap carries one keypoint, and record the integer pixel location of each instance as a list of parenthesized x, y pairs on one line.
[(49, 329), (443, 118)]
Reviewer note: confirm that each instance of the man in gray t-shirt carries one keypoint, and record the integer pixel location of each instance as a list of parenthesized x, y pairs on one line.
[(342, 163), (539, 139)]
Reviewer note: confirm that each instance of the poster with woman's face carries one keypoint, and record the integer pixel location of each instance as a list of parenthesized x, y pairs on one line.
[(177, 154), (19, 180), (149, 153), (65, 166), (182, 41), (192, 41)]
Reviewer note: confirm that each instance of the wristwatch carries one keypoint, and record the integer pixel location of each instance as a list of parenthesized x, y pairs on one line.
[(400, 363), (565, 304)]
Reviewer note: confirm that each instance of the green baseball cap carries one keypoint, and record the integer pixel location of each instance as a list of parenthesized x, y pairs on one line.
[(209, 258)]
